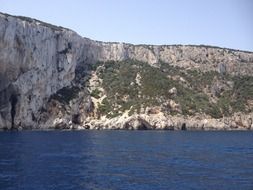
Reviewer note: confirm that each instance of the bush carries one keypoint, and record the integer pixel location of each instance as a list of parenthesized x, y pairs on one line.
[(95, 93), (66, 94)]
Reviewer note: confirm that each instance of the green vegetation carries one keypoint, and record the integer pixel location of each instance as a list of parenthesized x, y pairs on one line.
[(66, 94), (133, 85), (95, 93), (243, 91), (104, 107), (124, 93)]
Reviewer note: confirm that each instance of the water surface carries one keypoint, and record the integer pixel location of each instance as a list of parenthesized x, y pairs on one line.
[(126, 160)]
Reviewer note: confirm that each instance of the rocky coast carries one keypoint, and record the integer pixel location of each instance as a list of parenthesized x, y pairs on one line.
[(52, 78)]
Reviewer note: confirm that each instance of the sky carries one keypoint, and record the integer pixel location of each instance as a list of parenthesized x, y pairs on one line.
[(224, 23)]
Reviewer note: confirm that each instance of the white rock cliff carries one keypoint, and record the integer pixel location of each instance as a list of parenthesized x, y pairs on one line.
[(38, 59)]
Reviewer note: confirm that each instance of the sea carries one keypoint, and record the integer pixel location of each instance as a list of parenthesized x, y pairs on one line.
[(142, 160)]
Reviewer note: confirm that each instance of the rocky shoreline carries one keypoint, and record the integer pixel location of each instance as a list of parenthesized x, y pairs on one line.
[(238, 122), (161, 122), (47, 82)]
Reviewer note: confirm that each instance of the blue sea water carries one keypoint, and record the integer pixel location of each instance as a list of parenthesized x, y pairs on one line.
[(59, 160)]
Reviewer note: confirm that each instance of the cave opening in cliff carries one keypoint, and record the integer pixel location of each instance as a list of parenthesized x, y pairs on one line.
[(143, 126), (76, 119), (183, 128), (13, 100)]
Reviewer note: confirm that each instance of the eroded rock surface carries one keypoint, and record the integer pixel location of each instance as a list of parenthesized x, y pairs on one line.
[(45, 69)]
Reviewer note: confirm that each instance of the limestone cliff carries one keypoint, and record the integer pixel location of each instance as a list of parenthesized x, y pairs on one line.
[(36, 60), (46, 74)]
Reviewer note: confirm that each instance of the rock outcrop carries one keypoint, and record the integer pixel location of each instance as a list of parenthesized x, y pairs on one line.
[(36, 61), (39, 61), (162, 122)]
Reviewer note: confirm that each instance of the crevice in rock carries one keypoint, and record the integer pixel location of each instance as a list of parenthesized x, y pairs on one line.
[(67, 49), (13, 100), (33, 117), (76, 119)]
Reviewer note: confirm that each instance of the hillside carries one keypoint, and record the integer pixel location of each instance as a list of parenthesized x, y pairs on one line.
[(52, 78)]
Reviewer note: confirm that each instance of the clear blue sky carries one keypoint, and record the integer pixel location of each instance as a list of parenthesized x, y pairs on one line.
[(225, 23)]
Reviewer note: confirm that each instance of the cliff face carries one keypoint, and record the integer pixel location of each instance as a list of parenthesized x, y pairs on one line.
[(40, 62), (35, 62), (204, 58)]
